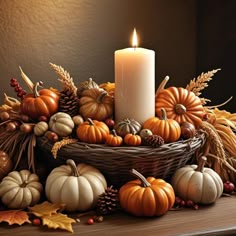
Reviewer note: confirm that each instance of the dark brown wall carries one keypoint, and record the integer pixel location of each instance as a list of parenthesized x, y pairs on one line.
[(82, 35), (217, 48)]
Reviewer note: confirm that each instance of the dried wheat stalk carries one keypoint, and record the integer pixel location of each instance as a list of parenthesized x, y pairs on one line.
[(65, 78), (197, 84), (58, 145)]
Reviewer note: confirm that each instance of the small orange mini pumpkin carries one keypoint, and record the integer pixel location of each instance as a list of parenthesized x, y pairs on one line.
[(180, 104), (168, 129), (146, 197), (113, 139), (133, 139), (92, 131)]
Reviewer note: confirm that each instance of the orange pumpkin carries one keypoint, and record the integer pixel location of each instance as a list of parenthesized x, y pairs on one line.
[(92, 131), (133, 139), (96, 104), (168, 129), (113, 139), (180, 104), (146, 197), (42, 103)]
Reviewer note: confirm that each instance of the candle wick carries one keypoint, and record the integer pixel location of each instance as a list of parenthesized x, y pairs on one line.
[(135, 46)]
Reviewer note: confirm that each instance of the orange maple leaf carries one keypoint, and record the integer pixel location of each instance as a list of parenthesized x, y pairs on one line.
[(14, 217)]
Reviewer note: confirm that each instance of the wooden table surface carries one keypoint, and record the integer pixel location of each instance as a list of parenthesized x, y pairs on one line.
[(216, 219)]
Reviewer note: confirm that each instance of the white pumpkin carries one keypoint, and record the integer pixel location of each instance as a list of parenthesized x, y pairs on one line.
[(20, 189), (40, 128), (61, 123), (78, 187), (197, 183)]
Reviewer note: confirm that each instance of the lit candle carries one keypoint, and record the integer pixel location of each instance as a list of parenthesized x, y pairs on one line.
[(134, 83)]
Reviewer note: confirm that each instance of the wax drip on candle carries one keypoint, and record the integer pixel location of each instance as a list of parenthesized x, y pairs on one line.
[(135, 39)]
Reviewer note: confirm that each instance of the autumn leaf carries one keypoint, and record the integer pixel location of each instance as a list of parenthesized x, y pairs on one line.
[(46, 209), (58, 220), (14, 217)]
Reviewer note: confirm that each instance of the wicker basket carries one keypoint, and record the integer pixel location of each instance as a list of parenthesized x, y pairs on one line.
[(116, 162)]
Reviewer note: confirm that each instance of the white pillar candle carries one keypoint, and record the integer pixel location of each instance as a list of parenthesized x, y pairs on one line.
[(134, 83)]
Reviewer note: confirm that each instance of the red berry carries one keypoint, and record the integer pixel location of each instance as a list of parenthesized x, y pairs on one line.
[(14, 84), (90, 221), (18, 88), (182, 203), (195, 207), (190, 203), (228, 187), (177, 200), (36, 221)]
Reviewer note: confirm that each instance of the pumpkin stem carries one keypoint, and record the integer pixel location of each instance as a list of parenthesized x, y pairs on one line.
[(35, 88), (144, 181), (180, 109), (113, 131), (163, 114), (90, 121), (162, 85), (73, 167), (101, 96), (201, 164), (24, 184)]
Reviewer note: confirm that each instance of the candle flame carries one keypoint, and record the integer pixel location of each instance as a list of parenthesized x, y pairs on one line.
[(135, 39)]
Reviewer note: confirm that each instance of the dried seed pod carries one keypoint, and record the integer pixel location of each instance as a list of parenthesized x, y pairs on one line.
[(26, 128), (4, 116), (10, 127)]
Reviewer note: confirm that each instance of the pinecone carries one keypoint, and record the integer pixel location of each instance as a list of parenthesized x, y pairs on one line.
[(108, 202), (69, 102), (154, 140)]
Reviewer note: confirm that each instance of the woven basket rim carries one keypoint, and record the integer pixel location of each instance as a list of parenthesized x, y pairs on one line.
[(166, 147)]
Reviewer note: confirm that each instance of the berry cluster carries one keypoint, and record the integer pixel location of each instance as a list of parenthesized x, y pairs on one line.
[(179, 202), (18, 89)]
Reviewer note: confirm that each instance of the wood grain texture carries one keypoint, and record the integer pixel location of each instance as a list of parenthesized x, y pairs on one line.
[(217, 219)]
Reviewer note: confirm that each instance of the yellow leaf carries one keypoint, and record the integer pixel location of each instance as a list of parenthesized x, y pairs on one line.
[(58, 220), (46, 209)]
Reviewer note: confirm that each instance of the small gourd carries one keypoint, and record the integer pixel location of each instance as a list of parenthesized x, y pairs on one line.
[(168, 129), (127, 126), (40, 128), (146, 196), (61, 123), (6, 164), (78, 187), (92, 131), (20, 189), (145, 133), (197, 183)]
